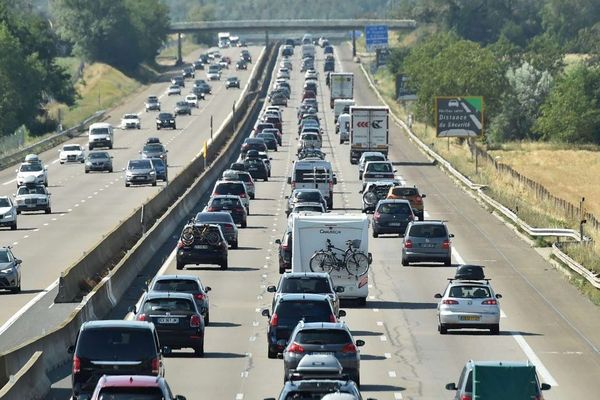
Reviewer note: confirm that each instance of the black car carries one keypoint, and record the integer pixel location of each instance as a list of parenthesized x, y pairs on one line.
[(289, 310), (202, 86), (198, 65), (178, 80), (160, 167), (270, 140), (204, 59), (201, 244), (238, 166), (392, 216), (241, 64), (285, 251), (245, 55), (188, 72), (230, 204), (253, 144), (177, 320), (113, 347), (329, 66), (257, 168), (165, 120), (232, 82)]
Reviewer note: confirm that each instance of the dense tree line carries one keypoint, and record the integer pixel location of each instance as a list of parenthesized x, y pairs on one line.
[(29, 76), (511, 52)]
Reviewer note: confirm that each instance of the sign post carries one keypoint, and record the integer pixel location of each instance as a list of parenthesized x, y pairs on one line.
[(459, 116), (376, 37)]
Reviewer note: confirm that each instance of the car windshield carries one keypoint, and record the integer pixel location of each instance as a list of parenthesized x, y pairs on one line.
[(304, 285), (137, 393), (373, 158), (212, 217), (379, 167), (230, 188), (140, 164), (167, 304), (394, 208), (152, 99), (24, 190), (182, 104), (469, 292), (4, 257), (98, 155), (72, 148), (31, 167), (224, 202), (116, 344), (154, 148), (232, 79), (176, 285), (310, 311), (99, 131), (400, 191), (323, 336), (309, 137), (428, 231), (268, 136), (165, 116), (4, 202), (130, 116)]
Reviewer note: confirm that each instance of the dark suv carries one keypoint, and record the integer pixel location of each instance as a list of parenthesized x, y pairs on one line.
[(165, 120), (285, 251), (306, 282), (201, 244), (392, 216), (289, 310), (114, 348)]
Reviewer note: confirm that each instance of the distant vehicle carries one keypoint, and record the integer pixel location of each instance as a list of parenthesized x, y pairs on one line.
[(222, 218), (368, 131), (32, 196), (410, 193), (98, 161), (152, 104), (174, 90), (241, 65), (188, 72), (427, 241), (244, 176), (202, 244), (198, 65), (232, 82), (213, 73), (35, 171), (118, 387), (230, 204), (71, 153), (192, 100), (131, 121), (100, 134), (182, 108), (392, 217), (184, 284), (306, 282), (160, 166), (178, 80), (10, 270), (154, 150), (140, 172), (8, 210), (165, 120)]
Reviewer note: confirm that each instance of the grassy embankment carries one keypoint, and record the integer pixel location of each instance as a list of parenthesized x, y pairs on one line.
[(566, 171)]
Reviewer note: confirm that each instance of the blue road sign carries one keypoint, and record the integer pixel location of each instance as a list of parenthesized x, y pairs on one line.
[(376, 37)]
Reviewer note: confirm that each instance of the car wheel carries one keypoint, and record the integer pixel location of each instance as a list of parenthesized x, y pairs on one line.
[(154, 183), (158, 127), (360, 176), (281, 270), (127, 185), (139, 127), (13, 227), (405, 262), (495, 330), (375, 234), (61, 162), (87, 171), (234, 245), (174, 126), (448, 262), (48, 211), (252, 196), (18, 212), (442, 329), (271, 354), (266, 179), (180, 265), (357, 379), (225, 264), (110, 170), (421, 217), (207, 319), (16, 289), (244, 224), (199, 351)]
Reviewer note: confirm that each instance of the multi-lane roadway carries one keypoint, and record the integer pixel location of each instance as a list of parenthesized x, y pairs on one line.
[(544, 319)]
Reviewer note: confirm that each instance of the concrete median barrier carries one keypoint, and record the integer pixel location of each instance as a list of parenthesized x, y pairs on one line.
[(29, 383)]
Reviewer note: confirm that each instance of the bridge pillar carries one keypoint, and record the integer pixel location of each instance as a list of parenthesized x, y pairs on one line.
[(179, 56), (353, 42)]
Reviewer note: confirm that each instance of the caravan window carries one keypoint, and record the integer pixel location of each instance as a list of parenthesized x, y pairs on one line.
[(316, 175)]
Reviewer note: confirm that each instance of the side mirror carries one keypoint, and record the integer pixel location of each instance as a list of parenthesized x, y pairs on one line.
[(339, 289), (278, 241), (207, 288), (437, 296), (360, 343), (132, 309), (423, 195), (342, 313), (271, 289), (180, 397), (287, 197), (498, 296), (265, 313), (289, 180), (451, 386), (18, 261), (545, 386), (335, 180), (451, 235)]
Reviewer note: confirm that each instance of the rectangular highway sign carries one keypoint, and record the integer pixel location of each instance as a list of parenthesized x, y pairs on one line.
[(459, 116), (376, 37)]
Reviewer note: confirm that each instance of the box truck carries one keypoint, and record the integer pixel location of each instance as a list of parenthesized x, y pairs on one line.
[(310, 234), (341, 86), (369, 130)]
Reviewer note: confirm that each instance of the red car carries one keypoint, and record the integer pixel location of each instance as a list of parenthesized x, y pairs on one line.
[(128, 386)]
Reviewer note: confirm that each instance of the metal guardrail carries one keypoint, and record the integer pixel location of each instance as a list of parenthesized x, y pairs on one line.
[(531, 231)]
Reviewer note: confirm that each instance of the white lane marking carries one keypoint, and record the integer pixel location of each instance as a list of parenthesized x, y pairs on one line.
[(548, 378), (51, 305), (376, 310), (15, 243), (383, 338), (9, 182), (26, 307), (54, 162), (25, 237), (387, 355), (397, 396), (379, 323), (69, 210), (244, 374), (502, 314), (392, 374), (252, 338), (457, 256), (255, 323), (239, 396)]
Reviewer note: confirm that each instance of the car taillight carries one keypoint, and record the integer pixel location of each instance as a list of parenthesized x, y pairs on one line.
[(376, 216), (411, 217), (228, 227), (295, 348), (418, 200), (76, 365), (211, 209), (446, 244), (491, 302), (141, 317), (284, 247), (239, 209), (180, 245), (465, 397), (448, 301), (195, 321), (242, 195), (199, 296), (155, 365), (274, 320), (408, 244), (293, 185), (332, 318), (349, 348)]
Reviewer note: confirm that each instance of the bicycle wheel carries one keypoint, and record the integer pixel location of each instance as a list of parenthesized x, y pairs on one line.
[(321, 262), (211, 237), (357, 263), (187, 236)]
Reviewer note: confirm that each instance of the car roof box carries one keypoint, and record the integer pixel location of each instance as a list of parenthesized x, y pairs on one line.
[(469, 272)]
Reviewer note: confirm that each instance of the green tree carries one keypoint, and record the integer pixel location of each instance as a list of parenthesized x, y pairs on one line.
[(565, 18), (202, 13), (151, 22), (571, 113)]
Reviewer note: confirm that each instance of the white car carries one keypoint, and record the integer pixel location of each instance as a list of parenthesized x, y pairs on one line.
[(311, 74), (32, 196), (71, 153), (36, 170), (131, 121), (174, 90), (283, 73), (8, 213), (192, 100), (468, 304), (213, 73)]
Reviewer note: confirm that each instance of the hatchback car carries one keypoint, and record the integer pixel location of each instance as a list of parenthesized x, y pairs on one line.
[(140, 172), (276, 133), (331, 338), (299, 196), (113, 347), (289, 310), (253, 144), (231, 205), (468, 304), (368, 156), (427, 241), (270, 140), (154, 150), (184, 284), (202, 244), (257, 168), (165, 120), (183, 108), (235, 188), (412, 195), (160, 166), (128, 387), (174, 90), (232, 82), (378, 170), (392, 216), (233, 175), (98, 161), (10, 270), (224, 220), (8, 213), (177, 319), (306, 282)]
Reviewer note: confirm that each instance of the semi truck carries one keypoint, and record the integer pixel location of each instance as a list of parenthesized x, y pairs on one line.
[(369, 130), (341, 86)]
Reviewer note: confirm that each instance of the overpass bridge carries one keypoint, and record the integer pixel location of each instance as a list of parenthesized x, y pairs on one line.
[(286, 25)]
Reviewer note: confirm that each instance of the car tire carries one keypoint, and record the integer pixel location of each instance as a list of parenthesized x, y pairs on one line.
[(110, 147), (174, 127), (442, 329), (13, 227), (495, 329), (48, 211), (271, 354), (61, 162), (110, 171), (154, 183), (405, 262), (199, 351), (266, 179), (244, 224), (359, 176), (375, 234), (234, 245), (207, 319), (448, 262), (87, 171), (225, 264), (127, 185), (281, 270), (179, 265), (252, 196), (16, 289), (158, 127)]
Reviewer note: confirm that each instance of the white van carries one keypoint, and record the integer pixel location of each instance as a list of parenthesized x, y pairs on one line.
[(341, 106), (343, 127), (314, 174), (100, 134), (310, 234)]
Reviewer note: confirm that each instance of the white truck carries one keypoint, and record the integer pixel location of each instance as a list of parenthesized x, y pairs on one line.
[(341, 86), (310, 234), (223, 39), (369, 130), (308, 50)]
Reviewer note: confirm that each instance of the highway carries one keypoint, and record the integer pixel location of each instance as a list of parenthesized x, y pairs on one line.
[(85, 207), (544, 318)]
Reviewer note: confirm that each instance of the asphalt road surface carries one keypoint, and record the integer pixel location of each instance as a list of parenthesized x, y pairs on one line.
[(544, 318)]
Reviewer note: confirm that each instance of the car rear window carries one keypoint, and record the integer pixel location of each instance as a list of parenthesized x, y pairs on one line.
[(224, 202), (305, 285), (230, 188), (469, 292), (379, 167), (310, 136), (167, 305), (131, 393), (245, 177), (309, 196), (116, 344), (394, 208), (210, 217), (302, 208), (310, 311), (323, 336), (428, 231), (404, 191), (176, 285)]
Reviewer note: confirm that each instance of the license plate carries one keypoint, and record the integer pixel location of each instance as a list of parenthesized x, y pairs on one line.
[(470, 318), (428, 245), (168, 320), (395, 224), (201, 246), (323, 353)]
